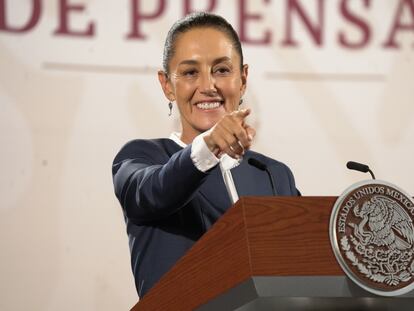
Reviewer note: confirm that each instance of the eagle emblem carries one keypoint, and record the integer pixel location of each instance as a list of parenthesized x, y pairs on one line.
[(388, 224), (372, 234)]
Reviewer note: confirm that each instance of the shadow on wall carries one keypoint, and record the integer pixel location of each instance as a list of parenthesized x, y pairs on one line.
[(45, 106)]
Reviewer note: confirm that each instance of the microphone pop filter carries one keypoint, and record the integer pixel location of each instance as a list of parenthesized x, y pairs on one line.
[(357, 166)]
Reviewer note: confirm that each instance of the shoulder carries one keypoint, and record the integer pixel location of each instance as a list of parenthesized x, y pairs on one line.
[(146, 148), (138, 144), (285, 179), (271, 163)]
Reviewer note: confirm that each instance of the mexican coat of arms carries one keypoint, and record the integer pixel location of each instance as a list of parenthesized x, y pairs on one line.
[(372, 235)]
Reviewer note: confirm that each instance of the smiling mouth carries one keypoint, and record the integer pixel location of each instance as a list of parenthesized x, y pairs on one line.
[(209, 105)]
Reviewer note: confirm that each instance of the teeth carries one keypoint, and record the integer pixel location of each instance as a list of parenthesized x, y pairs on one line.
[(209, 105)]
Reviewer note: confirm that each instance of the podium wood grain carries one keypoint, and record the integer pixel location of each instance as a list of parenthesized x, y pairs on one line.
[(259, 236)]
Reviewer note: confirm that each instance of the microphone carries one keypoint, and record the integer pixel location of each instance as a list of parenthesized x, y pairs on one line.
[(263, 167), (359, 167)]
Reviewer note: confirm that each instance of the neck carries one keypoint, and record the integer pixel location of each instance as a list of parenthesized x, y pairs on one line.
[(188, 133), (188, 138)]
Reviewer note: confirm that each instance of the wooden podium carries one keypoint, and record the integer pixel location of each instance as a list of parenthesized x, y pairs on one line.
[(266, 253)]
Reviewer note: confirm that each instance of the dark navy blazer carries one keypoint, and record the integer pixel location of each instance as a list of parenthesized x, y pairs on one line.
[(168, 204)]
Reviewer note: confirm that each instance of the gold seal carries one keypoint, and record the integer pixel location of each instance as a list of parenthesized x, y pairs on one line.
[(372, 236)]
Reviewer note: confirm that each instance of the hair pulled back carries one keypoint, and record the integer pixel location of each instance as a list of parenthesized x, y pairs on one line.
[(198, 20)]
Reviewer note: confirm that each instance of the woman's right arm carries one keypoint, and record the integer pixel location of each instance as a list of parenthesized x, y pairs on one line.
[(148, 190), (150, 186)]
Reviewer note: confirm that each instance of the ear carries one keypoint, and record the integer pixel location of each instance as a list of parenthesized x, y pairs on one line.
[(244, 73), (166, 85)]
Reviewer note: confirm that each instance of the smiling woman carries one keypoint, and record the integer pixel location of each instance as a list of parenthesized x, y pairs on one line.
[(207, 81), (173, 190)]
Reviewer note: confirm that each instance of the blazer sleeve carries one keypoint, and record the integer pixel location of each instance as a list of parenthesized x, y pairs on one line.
[(148, 190)]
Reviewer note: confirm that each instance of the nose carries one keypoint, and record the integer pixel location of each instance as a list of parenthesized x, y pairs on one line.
[(207, 84)]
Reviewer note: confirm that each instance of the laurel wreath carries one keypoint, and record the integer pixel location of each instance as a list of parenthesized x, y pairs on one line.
[(376, 277)]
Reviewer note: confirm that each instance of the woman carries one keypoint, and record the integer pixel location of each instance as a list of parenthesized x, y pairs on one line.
[(173, 190)]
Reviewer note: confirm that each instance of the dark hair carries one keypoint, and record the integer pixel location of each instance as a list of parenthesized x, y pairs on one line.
[(198, 20)]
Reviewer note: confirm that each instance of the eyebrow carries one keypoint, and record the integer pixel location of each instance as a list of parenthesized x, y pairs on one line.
[(195, 62)]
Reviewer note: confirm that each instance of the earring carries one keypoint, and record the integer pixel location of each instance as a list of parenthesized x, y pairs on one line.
[(170, 105)]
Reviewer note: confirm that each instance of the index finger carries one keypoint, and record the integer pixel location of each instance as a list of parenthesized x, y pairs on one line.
[(243, 113)]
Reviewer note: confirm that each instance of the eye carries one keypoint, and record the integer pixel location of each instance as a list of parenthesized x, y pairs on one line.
[(190, 73), (222, 70)]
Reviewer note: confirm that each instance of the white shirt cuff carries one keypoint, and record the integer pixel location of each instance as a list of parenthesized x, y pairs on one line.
[(202, 157)]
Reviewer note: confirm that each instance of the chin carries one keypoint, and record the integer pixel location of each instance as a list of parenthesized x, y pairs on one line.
[(205, 126)]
